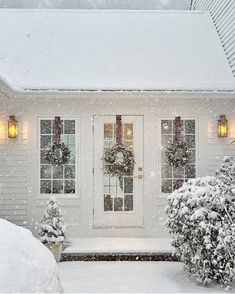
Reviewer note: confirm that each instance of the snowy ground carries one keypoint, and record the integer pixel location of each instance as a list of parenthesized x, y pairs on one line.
[(128, 277)]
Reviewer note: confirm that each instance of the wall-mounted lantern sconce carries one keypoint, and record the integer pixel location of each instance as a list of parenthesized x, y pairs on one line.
[(12, 127), (222, 127)]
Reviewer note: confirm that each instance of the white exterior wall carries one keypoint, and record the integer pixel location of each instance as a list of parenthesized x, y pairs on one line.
[(13, 167), (19, 171)]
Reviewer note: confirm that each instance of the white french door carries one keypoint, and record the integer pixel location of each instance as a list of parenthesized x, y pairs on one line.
[(118, 202)]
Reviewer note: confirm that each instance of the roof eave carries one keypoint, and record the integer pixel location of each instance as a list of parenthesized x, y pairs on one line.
[(86, 93), (7, 91)]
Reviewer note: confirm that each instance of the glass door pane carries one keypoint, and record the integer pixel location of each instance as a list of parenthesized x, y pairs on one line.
[(118, 191)]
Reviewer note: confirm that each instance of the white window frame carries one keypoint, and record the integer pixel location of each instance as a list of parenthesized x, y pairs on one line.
[(77, 158), (159, 159)]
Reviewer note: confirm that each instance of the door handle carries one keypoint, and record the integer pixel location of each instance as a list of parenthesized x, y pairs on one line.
[(140, 177)]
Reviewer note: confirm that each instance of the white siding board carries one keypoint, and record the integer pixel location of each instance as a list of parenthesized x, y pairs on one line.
[(15, 217), (9, 212), (15, 180), (9, 169), (11, 162), (13, 206), (13, 170), (4, 200), (21, 223), (13, 174), (20, 186)]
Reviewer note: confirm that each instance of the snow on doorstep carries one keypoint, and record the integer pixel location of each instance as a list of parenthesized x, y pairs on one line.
[(129, 277), (111, 50), (26, 265), (119, 245)]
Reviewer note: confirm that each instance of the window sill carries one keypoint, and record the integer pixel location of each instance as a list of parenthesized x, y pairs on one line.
[(58, 196)]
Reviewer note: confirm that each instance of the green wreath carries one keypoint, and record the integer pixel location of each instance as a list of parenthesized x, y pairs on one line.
[(57, 154), (177, 154), (119, 161)]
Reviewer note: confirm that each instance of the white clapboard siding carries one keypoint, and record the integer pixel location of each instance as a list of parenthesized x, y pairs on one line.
[(218, 149), (223, 15), (13, 177)]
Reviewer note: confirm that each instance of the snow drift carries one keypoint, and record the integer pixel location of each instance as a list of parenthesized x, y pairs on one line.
[(26, 264)]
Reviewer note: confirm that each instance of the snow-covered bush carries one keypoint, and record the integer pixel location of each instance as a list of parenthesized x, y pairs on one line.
[(26, 265), (226, 172), (226, 176), (200, 216), (52, 226)]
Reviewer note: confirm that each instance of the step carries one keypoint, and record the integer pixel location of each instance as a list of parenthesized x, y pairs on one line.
[(118, 257), (122, 249)]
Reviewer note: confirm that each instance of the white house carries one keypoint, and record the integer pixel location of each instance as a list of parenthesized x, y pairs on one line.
[(91, 68)]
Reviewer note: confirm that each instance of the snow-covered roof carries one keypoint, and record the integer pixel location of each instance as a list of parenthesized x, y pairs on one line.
[(111, 50)]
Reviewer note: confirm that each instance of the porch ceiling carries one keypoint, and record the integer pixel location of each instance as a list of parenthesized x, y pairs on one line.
[(111, 50)]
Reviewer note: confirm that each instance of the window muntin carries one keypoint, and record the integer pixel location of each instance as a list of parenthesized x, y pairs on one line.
[(173, 178), (57, 179)]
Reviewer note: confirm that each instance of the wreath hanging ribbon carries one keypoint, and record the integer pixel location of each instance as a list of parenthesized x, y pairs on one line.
[(178, 153), (177, 129), (57, 130), (119, 159), (118, 129), (58, 153)]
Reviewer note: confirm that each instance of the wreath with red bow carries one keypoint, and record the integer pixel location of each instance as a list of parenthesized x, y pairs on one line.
[(178, 153), (118, 161)]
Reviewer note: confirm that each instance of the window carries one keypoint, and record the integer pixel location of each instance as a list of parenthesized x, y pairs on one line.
[(173, 178), (57, 179)]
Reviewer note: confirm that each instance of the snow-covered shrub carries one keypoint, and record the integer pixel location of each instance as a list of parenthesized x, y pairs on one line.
[(52, 226), (26, 265), (226, 176), (200, 216), (226, 172)]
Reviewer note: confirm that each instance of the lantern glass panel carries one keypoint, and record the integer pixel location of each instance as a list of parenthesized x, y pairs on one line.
[(222, 127), (12, 127)]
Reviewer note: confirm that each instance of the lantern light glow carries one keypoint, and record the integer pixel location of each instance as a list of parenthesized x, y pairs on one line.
[(12, 127), (222, 127)]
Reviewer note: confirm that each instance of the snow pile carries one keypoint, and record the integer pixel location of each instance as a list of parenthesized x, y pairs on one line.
[(26, 265), (52, 227), (201, 216)]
